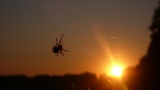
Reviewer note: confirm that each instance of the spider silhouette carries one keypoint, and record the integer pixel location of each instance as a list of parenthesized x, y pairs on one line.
[(58, 48)]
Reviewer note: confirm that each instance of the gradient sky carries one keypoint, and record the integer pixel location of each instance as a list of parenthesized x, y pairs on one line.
[(28, 29)]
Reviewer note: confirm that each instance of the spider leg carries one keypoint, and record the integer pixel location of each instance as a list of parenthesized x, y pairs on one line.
[(61, 39), (62, 52), (57, 53), (65, 50), (56, 42)]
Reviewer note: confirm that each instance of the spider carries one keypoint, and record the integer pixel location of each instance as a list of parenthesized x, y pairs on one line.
[(58, 48)]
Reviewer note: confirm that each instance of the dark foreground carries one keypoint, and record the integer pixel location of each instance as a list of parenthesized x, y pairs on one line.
[(85, 81)]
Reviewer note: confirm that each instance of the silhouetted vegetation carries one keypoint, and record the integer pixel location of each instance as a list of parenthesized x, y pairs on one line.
[(85, 81), (146, 75)]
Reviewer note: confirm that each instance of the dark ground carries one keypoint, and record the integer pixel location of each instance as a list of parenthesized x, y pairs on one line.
[(84, 81)]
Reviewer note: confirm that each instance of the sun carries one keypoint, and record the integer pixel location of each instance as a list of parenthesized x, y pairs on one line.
[(116, 71)]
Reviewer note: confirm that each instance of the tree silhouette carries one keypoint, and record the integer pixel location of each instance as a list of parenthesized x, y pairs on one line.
[(84, 81), (146, 75)]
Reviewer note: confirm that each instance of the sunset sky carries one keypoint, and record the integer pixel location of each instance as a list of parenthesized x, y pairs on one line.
[(95, 31)]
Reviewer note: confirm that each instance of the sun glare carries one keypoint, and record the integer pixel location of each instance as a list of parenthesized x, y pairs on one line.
[(116, 71)]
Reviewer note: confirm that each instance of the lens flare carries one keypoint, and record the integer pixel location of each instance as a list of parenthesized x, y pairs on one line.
[(114, 68)]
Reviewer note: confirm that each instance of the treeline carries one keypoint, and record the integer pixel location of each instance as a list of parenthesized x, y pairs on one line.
[(85, 81)]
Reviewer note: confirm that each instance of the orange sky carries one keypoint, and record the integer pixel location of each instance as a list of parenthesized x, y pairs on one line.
[(93, 29)]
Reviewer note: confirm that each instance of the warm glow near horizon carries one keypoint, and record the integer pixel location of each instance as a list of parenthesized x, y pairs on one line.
[(116, 71)]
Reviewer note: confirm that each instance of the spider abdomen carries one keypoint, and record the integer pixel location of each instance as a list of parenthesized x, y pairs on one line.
[(55, 49)]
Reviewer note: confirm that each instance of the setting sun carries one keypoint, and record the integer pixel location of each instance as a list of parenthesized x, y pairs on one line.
[(116, 71)]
